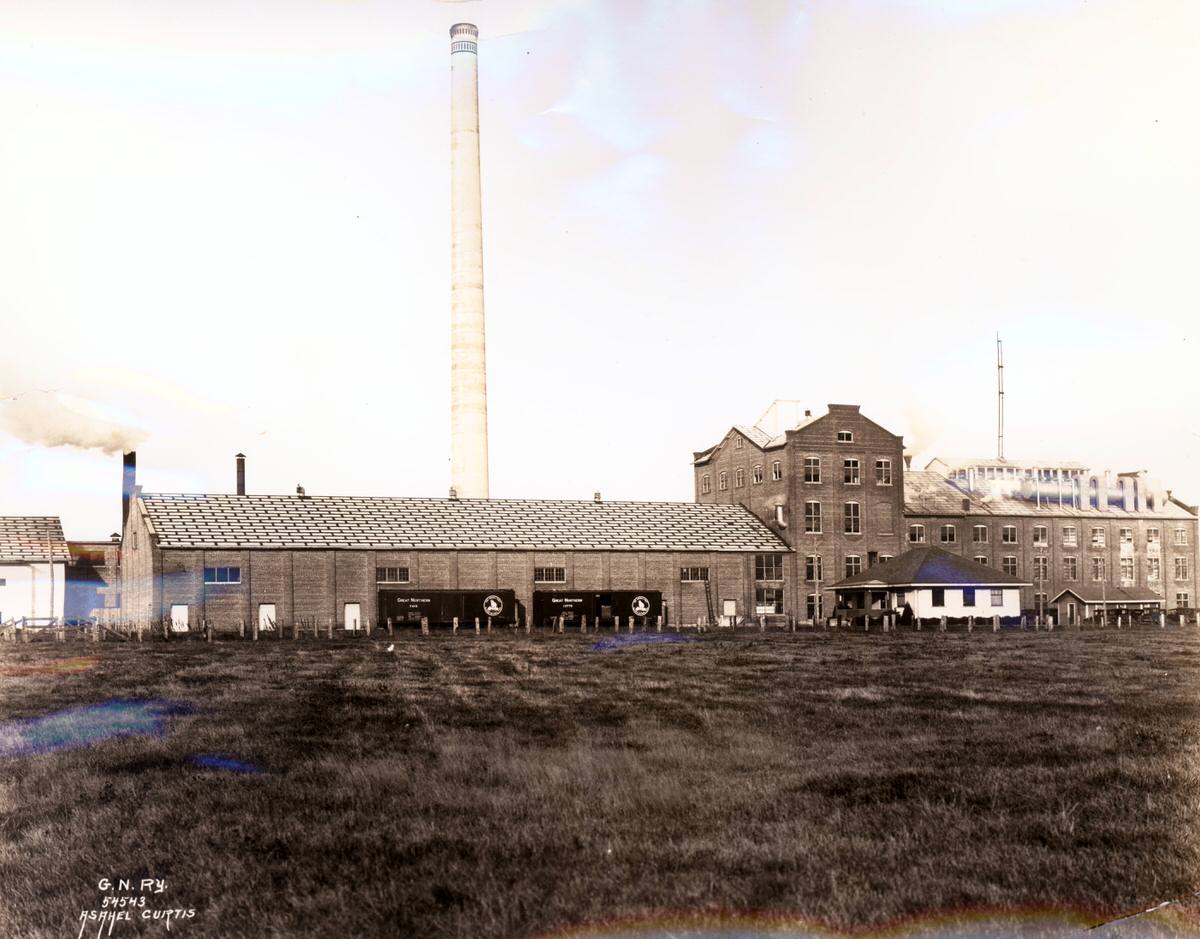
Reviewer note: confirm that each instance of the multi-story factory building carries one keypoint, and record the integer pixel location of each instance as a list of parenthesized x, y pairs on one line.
[(836, 488), (831, 486), (1083, 540)]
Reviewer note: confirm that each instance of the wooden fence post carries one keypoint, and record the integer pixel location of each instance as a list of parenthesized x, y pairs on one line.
[(454, 627), (528, 617), (762, 623), (995, 623), (241, 629), (389, 622), (476, 625), (583, 624), (942, 624), (489, 625), (560, 623), (328, 627), (631, 624), (254, 629), (207, 631), (424, 625), (658, 624)]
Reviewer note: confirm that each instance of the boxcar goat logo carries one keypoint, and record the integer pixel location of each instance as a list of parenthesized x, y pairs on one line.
[(640, 606), (492, 605)]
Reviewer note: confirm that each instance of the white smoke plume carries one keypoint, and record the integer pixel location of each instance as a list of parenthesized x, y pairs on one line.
[(51, 419)]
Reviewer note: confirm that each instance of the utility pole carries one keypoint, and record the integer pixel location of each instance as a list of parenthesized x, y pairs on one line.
[(999, 398)]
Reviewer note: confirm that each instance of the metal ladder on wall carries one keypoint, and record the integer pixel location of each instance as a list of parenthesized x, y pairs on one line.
[(712, 617)]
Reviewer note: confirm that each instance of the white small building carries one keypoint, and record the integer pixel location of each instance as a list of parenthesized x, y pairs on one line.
[(33, 569), (930, 583)]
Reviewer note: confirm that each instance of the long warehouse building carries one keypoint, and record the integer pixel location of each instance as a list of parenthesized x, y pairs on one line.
[(354, 562)]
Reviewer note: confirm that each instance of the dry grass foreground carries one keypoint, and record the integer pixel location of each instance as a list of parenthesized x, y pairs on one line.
[(513, 786)]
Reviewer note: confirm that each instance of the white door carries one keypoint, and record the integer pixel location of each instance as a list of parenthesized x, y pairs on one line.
[(179, 618), (729, 611), (352, 617), (266, 617)]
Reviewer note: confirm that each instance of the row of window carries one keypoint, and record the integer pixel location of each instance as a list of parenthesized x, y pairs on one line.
[(938, 597), (1009, 534), (851, 474), (843, 436)]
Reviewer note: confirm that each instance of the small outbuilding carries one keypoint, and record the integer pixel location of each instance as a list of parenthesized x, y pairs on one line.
[(1079, 603), (929, 583), (33, 564)]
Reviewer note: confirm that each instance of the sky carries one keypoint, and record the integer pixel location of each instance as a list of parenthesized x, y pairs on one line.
[(225, 227)]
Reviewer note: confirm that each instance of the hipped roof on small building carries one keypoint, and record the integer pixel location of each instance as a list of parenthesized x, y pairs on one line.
[(35, 539), (1110, 595), (931, 567), (385, 523)]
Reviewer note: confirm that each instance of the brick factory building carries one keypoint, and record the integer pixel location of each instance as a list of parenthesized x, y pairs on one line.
[(831, 487), (837, 490), (354, 562)]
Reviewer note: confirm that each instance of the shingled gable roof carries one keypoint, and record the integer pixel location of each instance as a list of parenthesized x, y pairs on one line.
[(32, 538), (931, 567), (259, 521)]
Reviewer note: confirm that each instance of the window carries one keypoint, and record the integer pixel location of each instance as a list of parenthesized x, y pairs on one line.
[(949, 534), (884, 558), (853, 524), (812, 469), (1041, 567), (1008, 564), (979, 534), (739, 477), (1181, 536), (1152, 536), (981, 559), (1183, 600), (768, 599), (549, 575), (1040, 600), (222, 575), (722, 481), (916, 534), (1153, 569), (1126, 536), (853, 565), (737, 442), (998, 597), (883, 472), (812, 606), (845, 436), (1097, 537), (812, 517), (1070, 536), (1070, 568), (1008, 534), (391, 575), (693, 573), (1041, 535), (812, 568), (968, 596), (756, 474), (768, 567), (1181, 568), (706, 483), (1097, 569), (850, 472), (1126, 572), (777, 470), (937, 596)]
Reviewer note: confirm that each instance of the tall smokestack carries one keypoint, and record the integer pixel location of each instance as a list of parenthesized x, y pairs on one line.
[(240, 458), (468, 374), (128, 481)]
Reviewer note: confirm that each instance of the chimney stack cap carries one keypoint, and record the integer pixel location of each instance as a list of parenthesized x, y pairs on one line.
[(299, 490), (453, 493), (595, 497)]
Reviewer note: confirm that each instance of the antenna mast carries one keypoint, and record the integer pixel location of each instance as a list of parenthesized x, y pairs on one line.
[(999, 398)]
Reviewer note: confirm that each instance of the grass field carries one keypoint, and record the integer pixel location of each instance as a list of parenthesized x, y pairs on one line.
[(519, 786)]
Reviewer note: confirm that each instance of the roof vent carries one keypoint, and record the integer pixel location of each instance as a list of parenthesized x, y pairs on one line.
[(453, 493), (807, 412), (300, 491), (595, 497), (115, 538)]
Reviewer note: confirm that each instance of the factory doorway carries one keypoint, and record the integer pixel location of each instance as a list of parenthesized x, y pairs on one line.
[(179, 618), (352, 617), (266, 617)]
